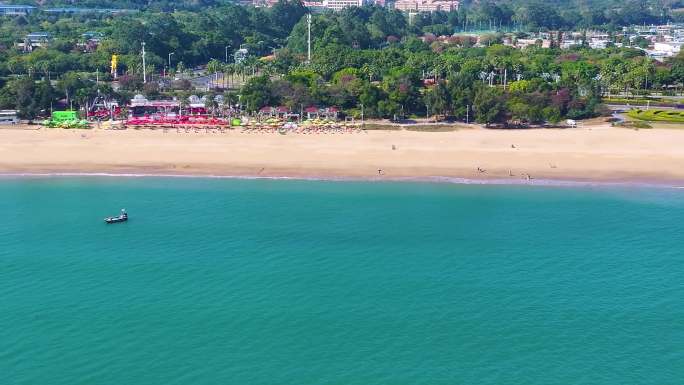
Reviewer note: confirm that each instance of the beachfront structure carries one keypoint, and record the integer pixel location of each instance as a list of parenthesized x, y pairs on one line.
[(267, 111), (197, 105), (140, 106), (426, 5), (8, 117), (313, 112), (277, 112), (16, 10)]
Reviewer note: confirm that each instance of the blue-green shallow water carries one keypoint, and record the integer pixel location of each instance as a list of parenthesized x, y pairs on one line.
[(304, 282)]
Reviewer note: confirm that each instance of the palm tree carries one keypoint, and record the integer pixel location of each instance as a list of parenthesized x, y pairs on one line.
[(229, 69), (44, 66), (369, 71), (180, 68), (214, 66)]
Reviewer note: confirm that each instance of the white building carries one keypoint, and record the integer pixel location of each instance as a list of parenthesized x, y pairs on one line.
[(524, 43), (670, 48), (426, 5), (341, 4), (35, 40), (598, 43), (569, 43), (15, 10)]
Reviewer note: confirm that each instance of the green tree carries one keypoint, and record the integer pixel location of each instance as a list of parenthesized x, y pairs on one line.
[(370, 97), (438, 99), (257, 93), (489, 106)]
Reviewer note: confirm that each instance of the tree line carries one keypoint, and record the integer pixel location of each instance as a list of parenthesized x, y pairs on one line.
[(364, 58)]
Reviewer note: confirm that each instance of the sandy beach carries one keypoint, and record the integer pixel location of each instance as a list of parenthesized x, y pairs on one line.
[(596, 152)]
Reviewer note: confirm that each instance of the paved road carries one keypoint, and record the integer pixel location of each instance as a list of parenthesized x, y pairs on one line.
[(627, 107), (619, 110)]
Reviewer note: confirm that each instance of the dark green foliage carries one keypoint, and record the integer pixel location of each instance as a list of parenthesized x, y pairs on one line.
[(258, 92), (30, 98)]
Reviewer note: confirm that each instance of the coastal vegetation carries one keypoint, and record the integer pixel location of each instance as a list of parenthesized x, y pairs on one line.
[(369, 61)]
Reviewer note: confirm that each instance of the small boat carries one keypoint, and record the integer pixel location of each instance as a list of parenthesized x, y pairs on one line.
[(123, 217)]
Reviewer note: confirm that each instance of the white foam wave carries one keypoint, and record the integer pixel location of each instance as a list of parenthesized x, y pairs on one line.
[(425, 179)]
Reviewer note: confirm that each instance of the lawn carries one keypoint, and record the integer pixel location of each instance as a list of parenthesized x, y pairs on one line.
[(674, 116)]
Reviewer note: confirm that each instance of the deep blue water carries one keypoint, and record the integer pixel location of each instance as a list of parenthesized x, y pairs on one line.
[(220, 281)]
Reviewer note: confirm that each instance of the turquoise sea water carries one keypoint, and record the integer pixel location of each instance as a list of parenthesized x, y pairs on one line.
[(219, 281)]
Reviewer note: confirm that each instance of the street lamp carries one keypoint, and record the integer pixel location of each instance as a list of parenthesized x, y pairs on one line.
[(226, 54), (171, 53)]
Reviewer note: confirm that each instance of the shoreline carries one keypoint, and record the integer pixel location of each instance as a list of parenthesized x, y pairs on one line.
[(636, 183), (594, 155)]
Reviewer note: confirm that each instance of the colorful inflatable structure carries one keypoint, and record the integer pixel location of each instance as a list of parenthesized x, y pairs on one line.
[(65, 119)]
